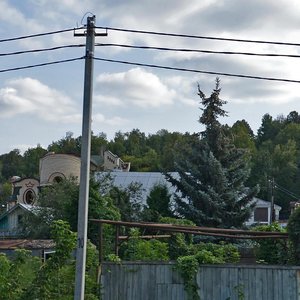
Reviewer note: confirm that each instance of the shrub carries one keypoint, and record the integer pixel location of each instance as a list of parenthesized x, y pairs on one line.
[(293, 229), (271, 251), (138, 249)]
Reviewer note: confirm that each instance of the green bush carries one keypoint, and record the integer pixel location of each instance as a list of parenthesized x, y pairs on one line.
[(179, 243), (25, 277), (293, 229), (209, 253), (271, 251), (139, 249)]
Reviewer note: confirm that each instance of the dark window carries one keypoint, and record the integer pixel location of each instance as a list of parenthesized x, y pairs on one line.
[(261, 214), (57, 179), (29, 197), (20, 217)]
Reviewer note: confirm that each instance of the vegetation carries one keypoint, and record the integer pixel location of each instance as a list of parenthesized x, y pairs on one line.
[(271, 153), (272, 251), (27, 277), (217, 169), (202, 253), (60, 202), (293, 229), (213, 172)]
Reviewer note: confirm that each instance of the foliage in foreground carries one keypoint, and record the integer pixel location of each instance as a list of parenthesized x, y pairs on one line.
[(203, 253), (293, 229), (26, 277), (272, 251)]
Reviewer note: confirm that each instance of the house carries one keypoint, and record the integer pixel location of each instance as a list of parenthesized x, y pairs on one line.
[(262, 212), (53, 168), (39, 248), (10, 220), (148, 180)]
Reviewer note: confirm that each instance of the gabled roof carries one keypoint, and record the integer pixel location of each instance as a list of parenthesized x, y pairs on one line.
[(263, 203), (25, 207)]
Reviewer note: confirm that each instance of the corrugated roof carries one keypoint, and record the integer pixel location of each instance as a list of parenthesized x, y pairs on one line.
[(147, 180), (26, 244)]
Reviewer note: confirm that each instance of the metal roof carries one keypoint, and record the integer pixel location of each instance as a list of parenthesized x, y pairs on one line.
[(147, 180)]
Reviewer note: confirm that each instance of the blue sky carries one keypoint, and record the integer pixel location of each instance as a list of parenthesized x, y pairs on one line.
[(38, 106)]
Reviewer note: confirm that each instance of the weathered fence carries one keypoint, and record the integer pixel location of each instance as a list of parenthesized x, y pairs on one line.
[(160, 281)]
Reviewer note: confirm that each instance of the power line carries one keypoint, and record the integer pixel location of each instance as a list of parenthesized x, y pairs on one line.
[(38, 34), (197, 50), (41, 50), (199, 36), (40, 65), (197, 71), (284, 190)]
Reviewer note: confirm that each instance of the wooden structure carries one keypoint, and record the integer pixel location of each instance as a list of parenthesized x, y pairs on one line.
[(170, 228)]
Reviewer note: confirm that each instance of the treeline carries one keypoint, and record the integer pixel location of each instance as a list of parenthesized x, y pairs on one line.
[(273, 154)]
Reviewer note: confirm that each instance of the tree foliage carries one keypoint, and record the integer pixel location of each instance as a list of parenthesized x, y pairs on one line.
[(213, 172), (60, 202)]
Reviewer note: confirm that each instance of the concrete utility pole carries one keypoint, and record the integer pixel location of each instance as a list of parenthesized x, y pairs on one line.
[(272, 215), (85, 159)]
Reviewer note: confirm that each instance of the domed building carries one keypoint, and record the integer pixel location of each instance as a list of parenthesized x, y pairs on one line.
[(53, 168)]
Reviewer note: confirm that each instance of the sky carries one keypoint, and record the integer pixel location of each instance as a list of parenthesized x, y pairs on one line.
[(40, 105)]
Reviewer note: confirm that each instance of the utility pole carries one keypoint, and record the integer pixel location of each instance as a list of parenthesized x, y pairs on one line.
[(272, 215), (85, 159)]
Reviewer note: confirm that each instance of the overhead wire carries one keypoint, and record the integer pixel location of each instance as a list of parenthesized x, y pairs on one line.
[(38, 34), (198, 36), (196, 50), (196, 71), (41, 50), (153, 48), (41, 64), (284, 190)]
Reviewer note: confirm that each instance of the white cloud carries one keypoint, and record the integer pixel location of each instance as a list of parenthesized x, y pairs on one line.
[(137, 87), (114, 121), (30, 96)]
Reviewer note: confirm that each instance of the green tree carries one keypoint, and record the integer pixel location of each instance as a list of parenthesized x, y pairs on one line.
[(32, 158), (66, 145), (243, 136), (213, 172), (5, 193), (60, 202), (269, 128), (12, 164), (158, 204), (128, 200)]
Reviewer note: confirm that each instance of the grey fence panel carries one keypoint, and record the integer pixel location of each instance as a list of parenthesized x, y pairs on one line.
[(160, 281)]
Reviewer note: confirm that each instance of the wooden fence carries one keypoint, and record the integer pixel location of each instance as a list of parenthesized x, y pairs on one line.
[(160, 281)]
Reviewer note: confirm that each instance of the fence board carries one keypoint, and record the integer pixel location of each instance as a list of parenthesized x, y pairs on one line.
[(157, 281)]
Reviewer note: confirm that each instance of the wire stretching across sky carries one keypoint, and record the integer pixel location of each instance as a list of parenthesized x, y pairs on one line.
[(41, 64), (196, 71), (197, 50), (41, 50), (152, 48), (199, 36), (38, 34)]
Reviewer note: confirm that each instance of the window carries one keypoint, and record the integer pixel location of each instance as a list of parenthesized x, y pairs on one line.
[(57, 179), (261, 214), (29, 197), (20, 217)]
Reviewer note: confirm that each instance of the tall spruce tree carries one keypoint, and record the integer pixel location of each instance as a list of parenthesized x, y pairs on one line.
[(212, 172)]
